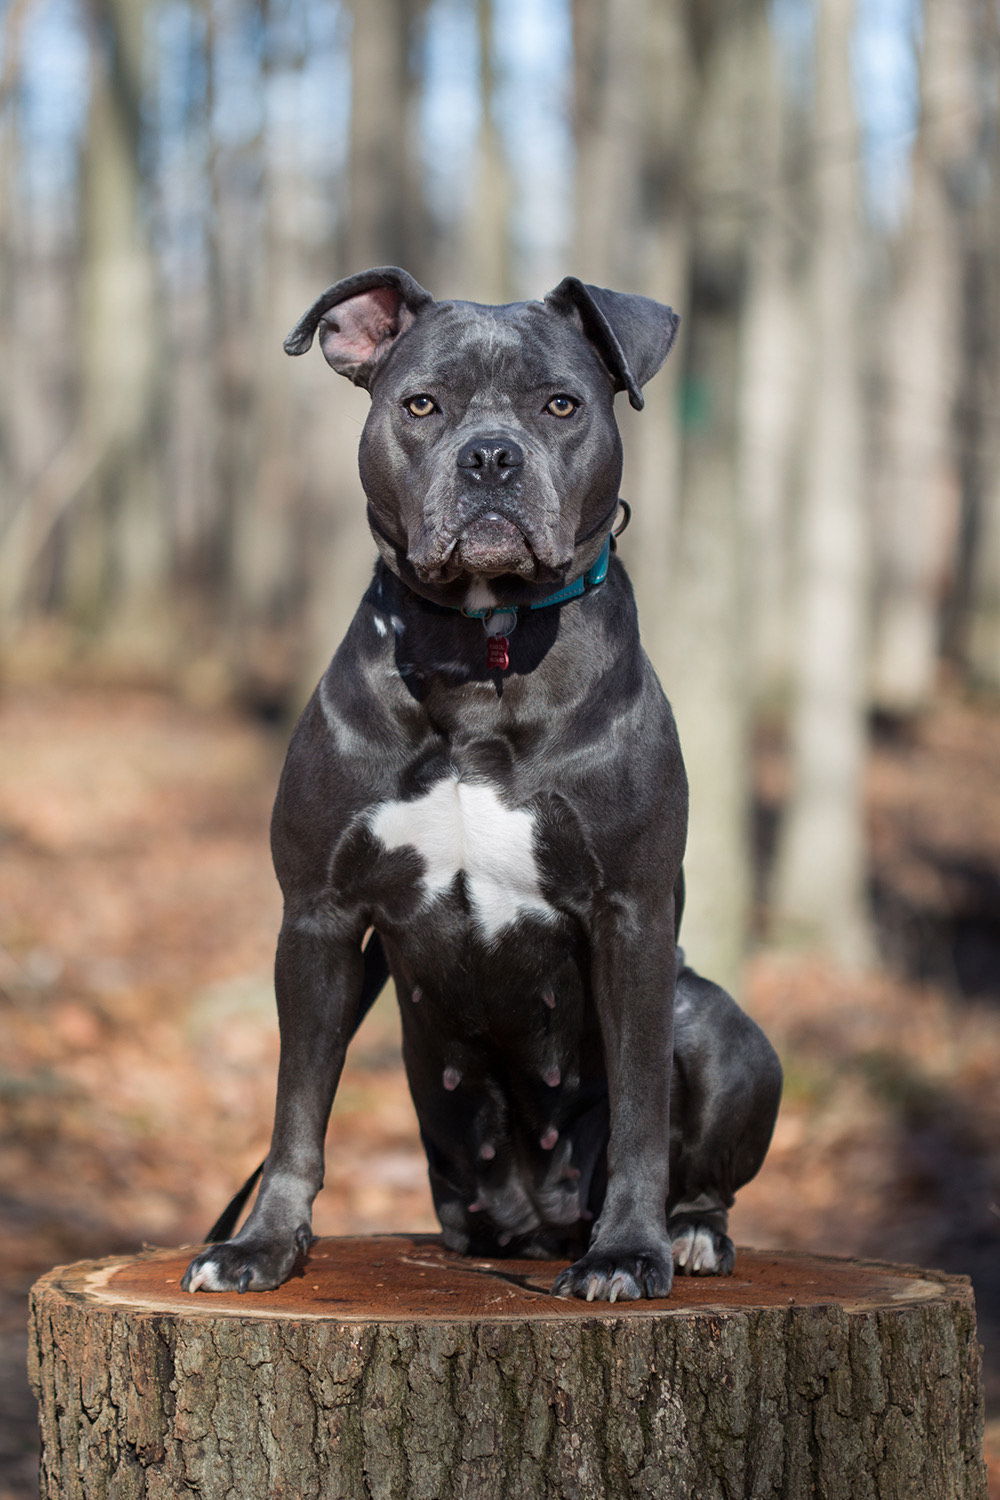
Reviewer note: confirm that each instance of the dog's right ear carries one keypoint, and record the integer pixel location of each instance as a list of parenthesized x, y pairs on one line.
[(359, 319)]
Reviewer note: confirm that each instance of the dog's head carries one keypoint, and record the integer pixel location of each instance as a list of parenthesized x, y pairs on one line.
[(491, 458)]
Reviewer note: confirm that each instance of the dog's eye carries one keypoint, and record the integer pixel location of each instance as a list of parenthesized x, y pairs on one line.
[(420, 406), (561, 406)]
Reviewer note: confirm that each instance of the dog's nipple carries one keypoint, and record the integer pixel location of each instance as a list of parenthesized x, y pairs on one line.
[(552, 1077), (549, 999), (487, 1151), (451, 1078), (549, 1139), (417, 995)]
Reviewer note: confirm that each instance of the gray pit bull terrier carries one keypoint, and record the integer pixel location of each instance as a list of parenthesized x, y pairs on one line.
[(488, 779)]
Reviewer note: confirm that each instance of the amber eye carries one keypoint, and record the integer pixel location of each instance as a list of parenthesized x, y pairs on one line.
[(561, 406), (420, 406)]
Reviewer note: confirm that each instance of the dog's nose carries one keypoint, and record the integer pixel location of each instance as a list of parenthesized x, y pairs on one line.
[(490, 458)]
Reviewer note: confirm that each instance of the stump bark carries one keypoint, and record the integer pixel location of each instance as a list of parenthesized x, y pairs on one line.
[(393, 1370)]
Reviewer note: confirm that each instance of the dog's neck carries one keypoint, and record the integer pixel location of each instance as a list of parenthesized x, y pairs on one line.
[(450, 645)]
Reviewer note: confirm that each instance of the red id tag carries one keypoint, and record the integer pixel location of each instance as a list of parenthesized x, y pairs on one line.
[(497, 653)]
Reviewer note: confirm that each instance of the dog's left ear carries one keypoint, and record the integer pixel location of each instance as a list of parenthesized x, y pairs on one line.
[(359, 319), (633, 334)]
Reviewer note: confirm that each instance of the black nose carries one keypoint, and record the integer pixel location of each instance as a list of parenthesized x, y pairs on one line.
[(490, 458)]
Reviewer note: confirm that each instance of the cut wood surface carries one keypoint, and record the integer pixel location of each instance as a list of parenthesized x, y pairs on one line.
[(391, 1368)]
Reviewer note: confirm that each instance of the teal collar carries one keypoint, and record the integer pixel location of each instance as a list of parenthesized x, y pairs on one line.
[(500, 620), (594, 576)]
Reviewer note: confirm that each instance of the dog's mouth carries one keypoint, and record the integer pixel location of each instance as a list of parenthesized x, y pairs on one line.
[(489, 545), (492, 545)]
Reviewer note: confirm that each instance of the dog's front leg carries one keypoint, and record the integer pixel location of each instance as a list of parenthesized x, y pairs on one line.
[(632, 968), (318, 985)]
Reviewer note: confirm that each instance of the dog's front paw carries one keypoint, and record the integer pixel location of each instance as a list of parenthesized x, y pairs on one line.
[(251, 1266), (700, 1249), (617, 1276)]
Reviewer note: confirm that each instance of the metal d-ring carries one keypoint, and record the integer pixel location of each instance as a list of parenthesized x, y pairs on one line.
[(616, 531), (509, 611)]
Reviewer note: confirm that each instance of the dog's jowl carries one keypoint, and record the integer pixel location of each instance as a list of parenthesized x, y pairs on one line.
[(487, 785)]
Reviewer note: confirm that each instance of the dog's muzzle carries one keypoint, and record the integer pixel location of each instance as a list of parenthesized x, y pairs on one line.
[(485, 540), (493, 544), (492, 523)]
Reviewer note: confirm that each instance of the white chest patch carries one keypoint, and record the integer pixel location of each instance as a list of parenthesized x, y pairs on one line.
[(464, 826)]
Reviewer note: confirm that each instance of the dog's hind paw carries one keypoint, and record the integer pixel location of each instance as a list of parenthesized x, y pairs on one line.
[(699, 1249), (622, 1276), (253, 1266)]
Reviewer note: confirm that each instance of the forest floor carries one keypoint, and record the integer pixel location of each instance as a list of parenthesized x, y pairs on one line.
[(138, 1044)]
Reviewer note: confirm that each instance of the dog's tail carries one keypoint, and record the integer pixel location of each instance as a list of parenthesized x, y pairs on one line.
[(376, 972), (224, 1225)]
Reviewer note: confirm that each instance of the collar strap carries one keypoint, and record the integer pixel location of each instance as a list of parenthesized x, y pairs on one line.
[(594, 576), (592, 579)]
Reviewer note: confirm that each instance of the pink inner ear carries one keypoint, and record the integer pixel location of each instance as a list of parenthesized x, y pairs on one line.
[(357, 331)]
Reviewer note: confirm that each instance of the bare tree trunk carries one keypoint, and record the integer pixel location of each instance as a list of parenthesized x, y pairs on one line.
[(193, 430), (642, 212), (266, 615), (983, 629), (819, 892), (10, 40), (386, 225), (661, 243), (607, 110), (918, 493), (707, 675), (385, 215), (975, 617), (119, 556), (485, 257), (770, 377), (12, 355)]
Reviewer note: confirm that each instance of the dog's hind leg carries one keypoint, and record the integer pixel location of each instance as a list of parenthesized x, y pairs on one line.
[(727, 1087)]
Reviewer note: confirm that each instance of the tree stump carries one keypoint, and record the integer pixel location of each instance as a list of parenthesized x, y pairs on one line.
[(394, 1370)]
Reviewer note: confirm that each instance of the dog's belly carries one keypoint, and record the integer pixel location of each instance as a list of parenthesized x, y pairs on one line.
[(504, 1064), (500, 1041)]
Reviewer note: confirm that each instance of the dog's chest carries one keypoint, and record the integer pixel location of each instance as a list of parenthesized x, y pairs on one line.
[(472, 845)]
